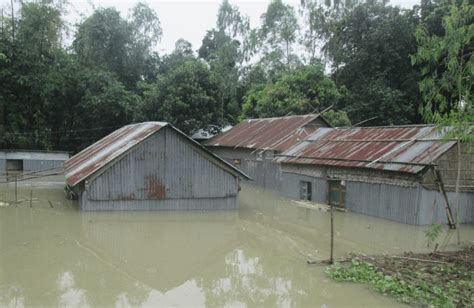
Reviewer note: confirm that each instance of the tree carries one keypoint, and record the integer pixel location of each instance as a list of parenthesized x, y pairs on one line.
[(122, 46), (447, 66), (226, 48), (304, 90), (369, 48), (185, 94), (277, 35)]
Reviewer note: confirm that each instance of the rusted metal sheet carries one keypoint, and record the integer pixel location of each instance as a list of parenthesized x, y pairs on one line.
[(402, 148), (267, 133), (105, 150)]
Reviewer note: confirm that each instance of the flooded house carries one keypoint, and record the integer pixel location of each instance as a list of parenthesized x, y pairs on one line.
[(252, 144), (402, 173), (31, 160), (151, 165)]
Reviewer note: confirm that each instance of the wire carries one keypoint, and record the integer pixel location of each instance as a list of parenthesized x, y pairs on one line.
[(61, 131)]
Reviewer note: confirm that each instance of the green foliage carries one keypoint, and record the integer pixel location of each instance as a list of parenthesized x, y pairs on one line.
[(369, 47), (419, 292), (56, 96), (447, 66), (337, 118), (186, 95), (107, 40), (433, 232), (304, 90), (277, 35)]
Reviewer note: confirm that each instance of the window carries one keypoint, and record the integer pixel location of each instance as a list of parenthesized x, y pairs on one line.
[(337, 192), (14, 165), (305, 190)]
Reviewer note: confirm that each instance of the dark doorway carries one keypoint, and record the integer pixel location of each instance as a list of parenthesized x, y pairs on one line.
[(14, 165)]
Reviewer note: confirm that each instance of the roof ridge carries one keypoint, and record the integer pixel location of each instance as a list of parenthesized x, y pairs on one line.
[(282, 117)]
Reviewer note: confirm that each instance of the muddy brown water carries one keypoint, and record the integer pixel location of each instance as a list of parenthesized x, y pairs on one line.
[(255, 256)]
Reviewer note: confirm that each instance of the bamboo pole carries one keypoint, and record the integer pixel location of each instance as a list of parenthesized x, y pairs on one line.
[(331, 258), (16, 190)]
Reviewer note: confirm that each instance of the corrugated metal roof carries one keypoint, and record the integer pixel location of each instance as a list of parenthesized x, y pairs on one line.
[(99, 154), (403, 148), (267, 133)]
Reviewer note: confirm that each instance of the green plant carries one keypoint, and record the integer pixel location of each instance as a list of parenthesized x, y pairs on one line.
[(433, 232)]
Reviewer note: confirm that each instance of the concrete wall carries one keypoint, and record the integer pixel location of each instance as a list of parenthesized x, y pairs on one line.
[(164, 172)]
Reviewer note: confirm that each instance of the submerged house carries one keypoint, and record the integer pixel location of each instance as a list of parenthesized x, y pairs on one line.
[(400, 173), (252, 144), (151, 165), (31, 161)]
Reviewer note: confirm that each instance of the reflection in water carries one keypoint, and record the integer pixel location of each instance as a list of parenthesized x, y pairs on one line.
[(70, 295), (255, 256)]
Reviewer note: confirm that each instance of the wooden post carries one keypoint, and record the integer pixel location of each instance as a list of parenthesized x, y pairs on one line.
[(16, 191), (331, 258), (31, 198)]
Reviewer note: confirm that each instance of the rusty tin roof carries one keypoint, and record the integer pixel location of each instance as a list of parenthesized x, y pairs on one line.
[(267, 133), (98, 155), (400, 148)]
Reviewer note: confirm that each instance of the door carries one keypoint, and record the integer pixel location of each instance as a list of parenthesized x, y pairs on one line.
[(337, 193)]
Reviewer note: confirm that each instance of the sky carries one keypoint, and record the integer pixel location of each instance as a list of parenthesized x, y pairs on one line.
[(187, 19)]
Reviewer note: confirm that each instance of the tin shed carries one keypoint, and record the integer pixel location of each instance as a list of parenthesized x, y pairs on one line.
[(31, 160), (387, 172), (252, 144), (151, 165)]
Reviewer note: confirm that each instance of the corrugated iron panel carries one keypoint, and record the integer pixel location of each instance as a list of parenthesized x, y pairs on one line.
[(105, 150), (403, 148), (266, 133), (99, 154), (164, 166)]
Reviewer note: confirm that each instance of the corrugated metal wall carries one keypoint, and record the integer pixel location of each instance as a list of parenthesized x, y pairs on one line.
[(167, 168), (263, 173), (433, 207), (291, 186), (3, 166), (385, 201), (166, 204), (38, 165)]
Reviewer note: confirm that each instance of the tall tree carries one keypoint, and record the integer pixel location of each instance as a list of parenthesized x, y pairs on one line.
[(278, 34), (122, 46), (226, 48), (185, 93), (369, 48), (447, 65)]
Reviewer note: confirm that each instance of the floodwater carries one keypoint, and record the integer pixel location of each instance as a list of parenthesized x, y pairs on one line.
[(52, 254)]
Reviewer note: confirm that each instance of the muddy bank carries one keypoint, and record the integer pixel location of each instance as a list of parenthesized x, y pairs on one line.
[(438, 278)]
